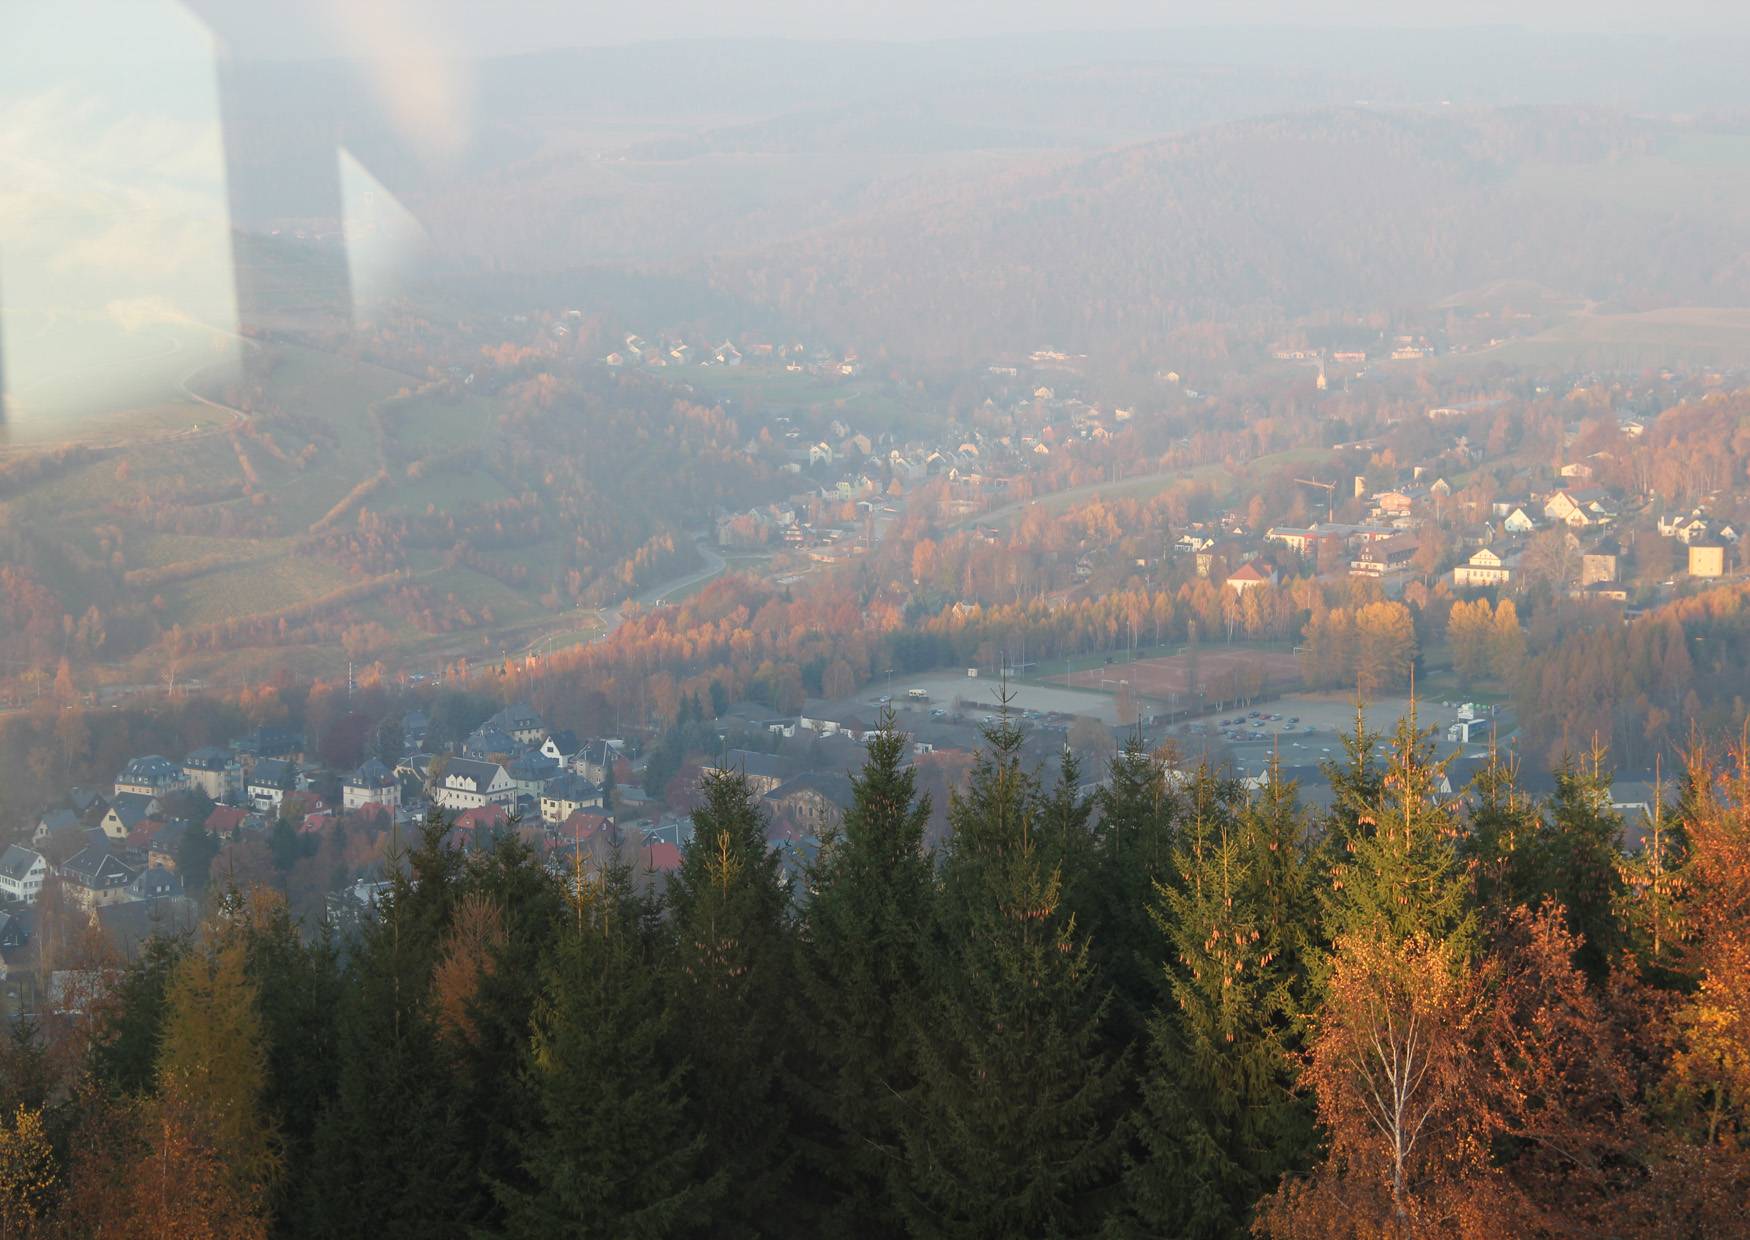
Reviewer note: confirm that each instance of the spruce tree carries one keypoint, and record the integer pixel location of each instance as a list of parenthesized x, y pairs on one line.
[(730, 979), (298, 993), (125, 1044), (1220, 1122), (1133, 848), (1398, 874), (1655, 882), (485, 1065), (1579, 860), (608, 1150), (1007, 1131), (1280, 879), (1356, 781), (1065, 839), (861, 970), (391, 1151), (1498, 848)]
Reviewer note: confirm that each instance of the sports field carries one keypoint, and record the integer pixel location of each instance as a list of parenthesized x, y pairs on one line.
[(1219, 673)]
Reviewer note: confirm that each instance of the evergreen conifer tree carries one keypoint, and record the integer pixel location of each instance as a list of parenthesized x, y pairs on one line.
[(391, 1155), (730, 981), (609, 1150), (1498, 847), (1398, 875), (1220, 1122), (1007, 1131), (861, 970), (1133, 847), (1579, 859)]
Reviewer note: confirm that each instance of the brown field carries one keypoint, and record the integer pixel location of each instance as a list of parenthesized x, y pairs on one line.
[(1219, 674)]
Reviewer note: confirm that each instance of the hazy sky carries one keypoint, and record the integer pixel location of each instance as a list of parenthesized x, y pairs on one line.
[(308, 27)]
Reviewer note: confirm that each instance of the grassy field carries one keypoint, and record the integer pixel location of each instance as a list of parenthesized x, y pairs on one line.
[(1142, 486), (157, 453), (267, 585), (1700, 336), (773, 389)]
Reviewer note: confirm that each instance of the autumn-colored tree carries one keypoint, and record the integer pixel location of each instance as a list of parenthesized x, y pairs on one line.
[(1393, 1070), (1469, 628), (1711, 1066), (27, 1172), (475, 936), (1562, 1098), (143, 1170), (1506, 643), (213, 1061)]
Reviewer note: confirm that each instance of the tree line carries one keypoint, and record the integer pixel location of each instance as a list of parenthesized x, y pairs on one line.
[(1170, 1009)]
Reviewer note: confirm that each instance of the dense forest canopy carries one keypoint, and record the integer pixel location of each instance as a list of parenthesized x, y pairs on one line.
[(1174, 1009)]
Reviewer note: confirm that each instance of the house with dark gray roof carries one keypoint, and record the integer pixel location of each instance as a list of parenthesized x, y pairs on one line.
[(269, 781), (128, 812), (152, 775), (488, 742), (567, 794), (22, 871), (521, 721), (468, 784), (215, 771), (371, 784), (97, 876)]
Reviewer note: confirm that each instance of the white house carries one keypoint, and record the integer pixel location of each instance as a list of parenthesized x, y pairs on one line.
[(371, 784), (1519, 522), (469, 784), (269, 781), (1485, 568), (22, 871)]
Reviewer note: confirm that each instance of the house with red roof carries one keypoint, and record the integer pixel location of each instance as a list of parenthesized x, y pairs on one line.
[(1250, 575), (225, 820)]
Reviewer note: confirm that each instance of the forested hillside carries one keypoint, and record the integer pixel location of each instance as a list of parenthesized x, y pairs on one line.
[(1355, 208), (1175, 1009)]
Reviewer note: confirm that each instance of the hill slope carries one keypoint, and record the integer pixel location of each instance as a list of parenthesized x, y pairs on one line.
[(1357, 208)]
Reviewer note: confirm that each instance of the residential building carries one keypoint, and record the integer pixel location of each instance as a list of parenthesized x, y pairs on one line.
[(1600, 564), (1519, 522), (1579, 508), (1707, 559), (371, 784), (270, 779), (531, 772), (521, 721), (96, 876), (764, 771), (1251, 575), (561, 746), (564, 796), (284, 744), (489, 744), (1379, 556), (22, 871), (468, 784), (151, 776), (124, 817), (812, 802), (214, 771), (1485, 568)]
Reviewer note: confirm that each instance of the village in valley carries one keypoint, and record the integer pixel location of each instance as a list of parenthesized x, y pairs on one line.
[(1044, 497)]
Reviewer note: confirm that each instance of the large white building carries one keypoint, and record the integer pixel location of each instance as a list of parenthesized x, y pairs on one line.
[(469, 784)]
